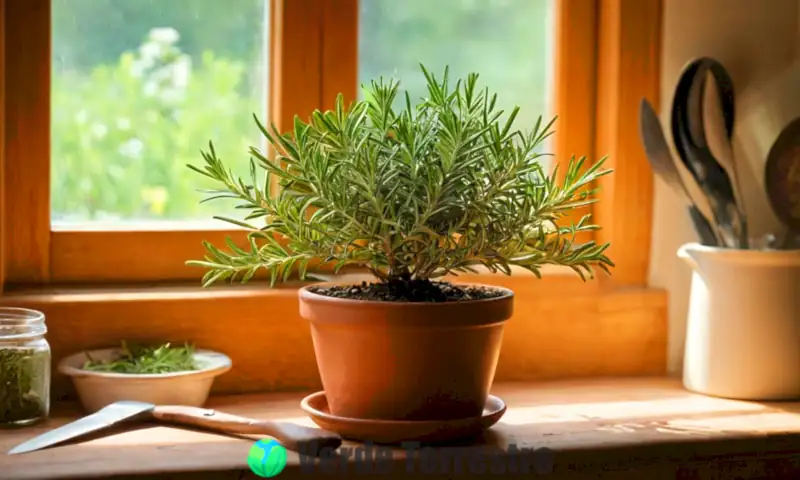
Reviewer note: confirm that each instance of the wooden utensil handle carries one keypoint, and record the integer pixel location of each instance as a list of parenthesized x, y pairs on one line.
[(303, 440)]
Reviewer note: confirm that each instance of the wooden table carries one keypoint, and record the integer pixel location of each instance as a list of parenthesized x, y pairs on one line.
[(625, 428)]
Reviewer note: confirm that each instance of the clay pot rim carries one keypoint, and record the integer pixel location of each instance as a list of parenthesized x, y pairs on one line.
[(309, 296)]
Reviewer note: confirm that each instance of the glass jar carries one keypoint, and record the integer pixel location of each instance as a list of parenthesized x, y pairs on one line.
[(24, 367)]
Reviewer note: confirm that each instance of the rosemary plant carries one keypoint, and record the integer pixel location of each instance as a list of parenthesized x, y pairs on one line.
[(411, 194)]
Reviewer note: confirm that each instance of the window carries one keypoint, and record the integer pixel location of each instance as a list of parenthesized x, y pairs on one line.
[(109, 99), (508, 42), (137, 88)]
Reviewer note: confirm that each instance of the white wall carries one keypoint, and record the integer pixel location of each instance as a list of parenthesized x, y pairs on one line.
[(754, 39)]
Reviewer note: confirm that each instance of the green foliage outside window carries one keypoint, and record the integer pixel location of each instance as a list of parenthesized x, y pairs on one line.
[(121, 134), (121, 137)]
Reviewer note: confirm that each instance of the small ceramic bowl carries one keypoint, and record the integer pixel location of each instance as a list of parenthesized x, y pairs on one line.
[(98, 389)]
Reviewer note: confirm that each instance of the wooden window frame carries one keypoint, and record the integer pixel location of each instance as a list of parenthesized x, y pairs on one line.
[(602, 65), (305, 74), (607, 57)]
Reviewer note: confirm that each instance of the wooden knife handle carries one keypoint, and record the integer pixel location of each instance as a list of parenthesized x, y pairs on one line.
[(303, 440)]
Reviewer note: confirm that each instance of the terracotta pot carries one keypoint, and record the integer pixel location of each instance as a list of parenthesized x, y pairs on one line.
[(406, 361)]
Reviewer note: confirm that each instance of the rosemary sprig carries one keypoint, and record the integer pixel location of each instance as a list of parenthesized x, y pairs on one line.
[(143, 359)]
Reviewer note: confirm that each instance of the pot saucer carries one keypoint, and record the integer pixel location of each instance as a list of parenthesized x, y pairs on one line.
[(397, 431)]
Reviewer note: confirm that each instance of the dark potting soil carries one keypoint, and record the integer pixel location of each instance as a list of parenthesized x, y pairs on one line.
[(409, 291)]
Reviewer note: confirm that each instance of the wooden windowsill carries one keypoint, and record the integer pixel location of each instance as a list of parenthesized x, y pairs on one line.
[(625, 428), (561, 328)]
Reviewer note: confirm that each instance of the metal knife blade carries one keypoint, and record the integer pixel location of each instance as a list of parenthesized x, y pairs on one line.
[(103, 418)]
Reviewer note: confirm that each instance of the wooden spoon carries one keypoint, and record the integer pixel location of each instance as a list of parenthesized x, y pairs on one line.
[(782, 181), (716, 138)]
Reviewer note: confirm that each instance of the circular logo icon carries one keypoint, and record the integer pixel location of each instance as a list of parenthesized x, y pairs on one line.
[(267, 458)]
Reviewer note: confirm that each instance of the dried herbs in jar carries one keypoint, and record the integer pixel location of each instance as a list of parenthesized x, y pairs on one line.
[(24, 367)]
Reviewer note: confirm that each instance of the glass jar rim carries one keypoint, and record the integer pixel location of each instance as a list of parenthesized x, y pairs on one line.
[(18, 323), (31, 315)]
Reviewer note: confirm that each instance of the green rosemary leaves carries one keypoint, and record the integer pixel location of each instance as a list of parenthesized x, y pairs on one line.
[(142, 359)]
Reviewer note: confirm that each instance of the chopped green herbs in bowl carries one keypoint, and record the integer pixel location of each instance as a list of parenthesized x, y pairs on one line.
[(162, 374), (140, 359)]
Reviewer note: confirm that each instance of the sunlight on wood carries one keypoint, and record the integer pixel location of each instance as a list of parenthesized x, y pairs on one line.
[(628, 428), (585, 412), (773, 422)]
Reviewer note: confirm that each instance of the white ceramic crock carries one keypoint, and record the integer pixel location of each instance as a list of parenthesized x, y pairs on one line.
[(743, 331), (98, 389)]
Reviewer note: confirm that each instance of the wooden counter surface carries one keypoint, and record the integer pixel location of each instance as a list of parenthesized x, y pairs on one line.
[(617, 428)]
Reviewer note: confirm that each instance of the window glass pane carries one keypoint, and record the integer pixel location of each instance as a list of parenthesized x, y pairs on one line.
[(138, 88), (507, 42)]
